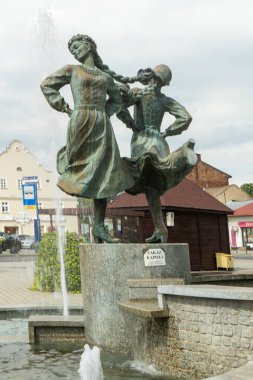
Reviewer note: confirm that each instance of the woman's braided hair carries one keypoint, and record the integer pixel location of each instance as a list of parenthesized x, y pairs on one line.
[(97, 59)]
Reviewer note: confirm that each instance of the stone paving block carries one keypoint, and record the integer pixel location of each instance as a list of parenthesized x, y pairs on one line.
[(16, 279)]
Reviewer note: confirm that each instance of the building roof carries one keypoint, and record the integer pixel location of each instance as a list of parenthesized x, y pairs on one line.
[(244, 211), (234, 205), (185, 195)]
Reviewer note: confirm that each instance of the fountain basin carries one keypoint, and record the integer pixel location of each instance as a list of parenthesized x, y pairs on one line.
[(21, 360)]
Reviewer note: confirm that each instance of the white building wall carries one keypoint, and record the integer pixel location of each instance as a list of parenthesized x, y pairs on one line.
[(233, 225), (17, 162)]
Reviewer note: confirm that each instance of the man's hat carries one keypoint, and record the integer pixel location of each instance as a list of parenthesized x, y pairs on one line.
[(164, 73)]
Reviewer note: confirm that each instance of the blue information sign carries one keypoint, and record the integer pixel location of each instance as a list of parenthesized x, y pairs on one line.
[(30, 199), (29, 192)]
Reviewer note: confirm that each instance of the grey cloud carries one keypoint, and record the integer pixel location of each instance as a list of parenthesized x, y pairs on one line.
[(207, 44)]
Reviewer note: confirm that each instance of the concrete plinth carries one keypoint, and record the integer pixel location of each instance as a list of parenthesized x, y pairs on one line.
[(55, 328), (105, 270)]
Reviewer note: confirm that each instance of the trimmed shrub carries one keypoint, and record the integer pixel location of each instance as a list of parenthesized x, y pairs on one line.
[(47, 276)]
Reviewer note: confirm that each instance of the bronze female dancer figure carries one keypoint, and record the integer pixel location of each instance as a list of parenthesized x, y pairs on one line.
[(153, 167), (89, 165)]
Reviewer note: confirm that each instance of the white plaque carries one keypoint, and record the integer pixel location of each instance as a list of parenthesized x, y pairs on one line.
[(154, 257)]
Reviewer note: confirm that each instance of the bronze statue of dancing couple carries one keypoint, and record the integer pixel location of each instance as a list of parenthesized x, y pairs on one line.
[(90, 165)]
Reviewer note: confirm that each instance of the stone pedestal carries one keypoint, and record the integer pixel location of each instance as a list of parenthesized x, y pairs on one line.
[(105, 270)]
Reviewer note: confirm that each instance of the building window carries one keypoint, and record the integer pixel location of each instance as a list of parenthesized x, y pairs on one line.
[(19, 183), (247, 236), (40, 205), (19, 169), (5, 206), (170, 219), (3, 183)]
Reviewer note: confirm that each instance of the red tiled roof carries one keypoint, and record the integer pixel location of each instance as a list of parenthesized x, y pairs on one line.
[(244, 210), (185, 195)]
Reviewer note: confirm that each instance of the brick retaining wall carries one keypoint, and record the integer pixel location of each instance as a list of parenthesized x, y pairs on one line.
[(201, 337)]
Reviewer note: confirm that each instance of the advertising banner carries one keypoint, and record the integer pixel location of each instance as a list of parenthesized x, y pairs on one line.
[(246, 224)]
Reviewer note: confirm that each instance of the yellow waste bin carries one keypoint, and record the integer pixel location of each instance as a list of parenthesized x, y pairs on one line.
[(224, 260)]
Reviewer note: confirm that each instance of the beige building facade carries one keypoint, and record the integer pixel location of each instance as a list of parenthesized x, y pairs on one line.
[(17, 162), (228, 193)]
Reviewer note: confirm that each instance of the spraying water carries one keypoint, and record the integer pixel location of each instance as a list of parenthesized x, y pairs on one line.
[(47, 54), (90, 364), (137, 328), (61, 249)]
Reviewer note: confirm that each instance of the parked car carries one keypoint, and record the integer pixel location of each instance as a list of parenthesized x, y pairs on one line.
[(22, 238), (28, 242), (10, 241)]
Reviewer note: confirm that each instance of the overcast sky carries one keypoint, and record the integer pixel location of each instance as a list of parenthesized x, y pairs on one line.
[(208, 45)]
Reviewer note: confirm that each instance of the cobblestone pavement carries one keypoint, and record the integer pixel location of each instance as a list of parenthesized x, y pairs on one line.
[(243, 261), (16, 279)]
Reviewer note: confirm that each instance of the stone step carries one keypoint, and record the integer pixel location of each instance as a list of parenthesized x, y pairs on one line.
[(146, 309), (146, 288)]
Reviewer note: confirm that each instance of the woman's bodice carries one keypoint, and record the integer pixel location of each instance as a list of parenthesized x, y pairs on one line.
[(89, 87), (148, 112)]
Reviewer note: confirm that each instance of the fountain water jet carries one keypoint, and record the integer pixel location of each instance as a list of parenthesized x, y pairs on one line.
[(61, 248), (90, 364)]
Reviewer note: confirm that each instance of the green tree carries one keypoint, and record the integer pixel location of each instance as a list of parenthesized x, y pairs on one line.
[(248, 188)]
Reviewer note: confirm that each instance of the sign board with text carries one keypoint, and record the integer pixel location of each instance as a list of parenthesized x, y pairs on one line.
[(30, 179), (247, 224), (154, 257), (29, 194)]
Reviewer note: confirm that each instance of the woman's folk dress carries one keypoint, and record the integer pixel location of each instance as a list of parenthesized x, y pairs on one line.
[(152, 165), (89, 165)]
